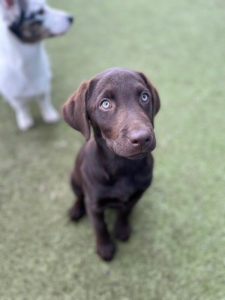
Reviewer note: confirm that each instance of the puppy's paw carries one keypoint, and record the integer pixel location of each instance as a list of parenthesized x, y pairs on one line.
[(76, 212), (122, 231), (50, 115), (106, 250)]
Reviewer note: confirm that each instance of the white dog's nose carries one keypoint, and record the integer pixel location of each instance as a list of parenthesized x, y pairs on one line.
[(70, 19)]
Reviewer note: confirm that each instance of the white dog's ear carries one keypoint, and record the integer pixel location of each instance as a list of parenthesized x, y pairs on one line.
[(11, 10), (9, 2)]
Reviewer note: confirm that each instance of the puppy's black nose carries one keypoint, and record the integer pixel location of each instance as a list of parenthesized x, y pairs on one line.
[(70, 19), (140, 138)]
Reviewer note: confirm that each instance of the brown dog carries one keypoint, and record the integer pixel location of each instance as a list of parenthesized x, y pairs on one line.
[(113, 168)]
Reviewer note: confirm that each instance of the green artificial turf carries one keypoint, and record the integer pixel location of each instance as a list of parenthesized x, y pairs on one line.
[(177, 249)]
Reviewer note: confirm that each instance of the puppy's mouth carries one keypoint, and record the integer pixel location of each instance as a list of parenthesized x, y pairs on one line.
[(126, 152), (138, 156), (132, 149)]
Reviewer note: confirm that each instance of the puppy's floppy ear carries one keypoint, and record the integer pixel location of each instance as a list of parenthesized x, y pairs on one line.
[(155, 95), (74, 110)]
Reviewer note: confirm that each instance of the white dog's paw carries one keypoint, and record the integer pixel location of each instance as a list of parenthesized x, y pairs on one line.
[(50, 115), (24, 121)]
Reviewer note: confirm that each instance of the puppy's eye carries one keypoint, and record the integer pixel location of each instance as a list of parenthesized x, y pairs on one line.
[(144, 97), (105, 104)]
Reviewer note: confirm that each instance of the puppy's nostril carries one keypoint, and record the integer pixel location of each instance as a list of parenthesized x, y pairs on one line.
[(70, 19), (140, 138), (134, 141)]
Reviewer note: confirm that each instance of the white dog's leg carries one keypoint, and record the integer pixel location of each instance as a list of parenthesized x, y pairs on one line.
[(48, 112), (23, 116)]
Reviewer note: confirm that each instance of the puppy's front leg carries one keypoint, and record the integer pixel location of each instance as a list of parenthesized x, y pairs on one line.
[(48, 112), (122, 229), (104, 244)]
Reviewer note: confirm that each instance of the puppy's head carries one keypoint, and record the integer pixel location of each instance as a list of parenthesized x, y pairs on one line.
[(120, 105), (33, 20)]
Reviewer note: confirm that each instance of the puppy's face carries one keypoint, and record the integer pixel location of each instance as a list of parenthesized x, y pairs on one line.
[(120, 108), (33, 20), (120, 105)]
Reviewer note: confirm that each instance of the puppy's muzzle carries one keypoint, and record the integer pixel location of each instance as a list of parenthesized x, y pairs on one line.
[(141, 140)]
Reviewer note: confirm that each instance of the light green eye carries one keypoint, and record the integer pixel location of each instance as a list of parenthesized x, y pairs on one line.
[(144, 97), (105, 104)]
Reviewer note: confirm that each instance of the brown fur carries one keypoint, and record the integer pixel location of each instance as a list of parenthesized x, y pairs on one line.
[(114, 168)]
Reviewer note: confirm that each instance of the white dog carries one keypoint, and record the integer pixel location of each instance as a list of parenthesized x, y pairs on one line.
[(24, 67)]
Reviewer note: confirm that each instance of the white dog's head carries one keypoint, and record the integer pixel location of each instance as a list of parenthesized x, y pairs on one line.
[(33, 20)]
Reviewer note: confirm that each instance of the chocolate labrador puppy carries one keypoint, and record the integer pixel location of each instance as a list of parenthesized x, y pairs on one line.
[(114, 167)]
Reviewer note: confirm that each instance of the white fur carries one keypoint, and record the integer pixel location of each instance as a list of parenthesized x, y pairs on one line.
[(25, 73)]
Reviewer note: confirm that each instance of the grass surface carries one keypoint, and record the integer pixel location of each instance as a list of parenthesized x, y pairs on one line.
[(177, 250)]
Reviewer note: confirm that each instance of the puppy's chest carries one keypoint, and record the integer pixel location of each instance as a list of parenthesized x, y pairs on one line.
[(119, 190)]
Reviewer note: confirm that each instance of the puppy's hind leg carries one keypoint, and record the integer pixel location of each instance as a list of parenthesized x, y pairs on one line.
[(48, 112), (77, 211), (23, 116)]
